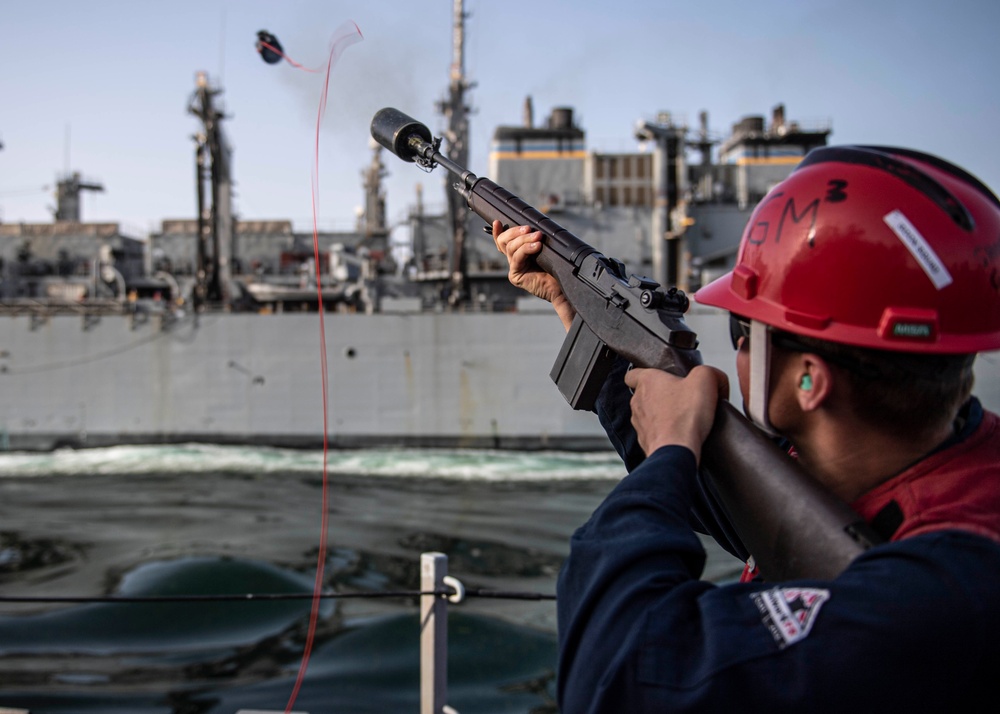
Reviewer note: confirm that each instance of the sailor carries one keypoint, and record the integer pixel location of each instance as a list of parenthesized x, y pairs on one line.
[(865, 284)]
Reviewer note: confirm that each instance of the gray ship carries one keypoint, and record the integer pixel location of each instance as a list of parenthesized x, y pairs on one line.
[(210, 331)]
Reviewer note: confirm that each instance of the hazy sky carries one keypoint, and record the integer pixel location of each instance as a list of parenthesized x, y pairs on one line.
[(102, 87)]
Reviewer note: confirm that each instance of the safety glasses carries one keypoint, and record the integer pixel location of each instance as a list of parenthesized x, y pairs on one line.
[(739, 327)]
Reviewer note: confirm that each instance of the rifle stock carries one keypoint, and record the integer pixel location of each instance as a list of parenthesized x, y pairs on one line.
[(792, 525)]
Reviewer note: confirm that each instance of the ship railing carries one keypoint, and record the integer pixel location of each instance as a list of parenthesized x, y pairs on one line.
[(437, 591), (46, 308)]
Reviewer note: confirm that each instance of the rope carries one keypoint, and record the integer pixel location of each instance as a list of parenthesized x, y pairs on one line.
[(259, 597), (346, 35)]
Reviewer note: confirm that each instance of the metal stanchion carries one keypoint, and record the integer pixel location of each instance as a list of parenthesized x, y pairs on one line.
[(434, 632)]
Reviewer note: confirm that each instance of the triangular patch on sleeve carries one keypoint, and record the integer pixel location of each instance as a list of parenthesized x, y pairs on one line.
[(789, 613)]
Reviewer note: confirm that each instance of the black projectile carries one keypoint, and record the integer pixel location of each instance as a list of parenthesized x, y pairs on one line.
[(269, 47)]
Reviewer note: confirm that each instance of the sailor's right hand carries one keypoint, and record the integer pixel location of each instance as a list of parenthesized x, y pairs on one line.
[(520, 245), (672, 410)]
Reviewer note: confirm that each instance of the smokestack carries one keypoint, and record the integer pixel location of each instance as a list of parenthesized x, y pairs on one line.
[(529, 113), (778, 119)]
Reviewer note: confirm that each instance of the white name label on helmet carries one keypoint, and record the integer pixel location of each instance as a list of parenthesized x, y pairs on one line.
[(919, 248)]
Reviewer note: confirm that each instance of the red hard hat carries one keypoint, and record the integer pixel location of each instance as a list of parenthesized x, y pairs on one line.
[(874, 247)]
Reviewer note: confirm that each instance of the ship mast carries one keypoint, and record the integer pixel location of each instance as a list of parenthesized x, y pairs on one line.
[(457, 134), (668, 171), (372, 222), (215, 224)]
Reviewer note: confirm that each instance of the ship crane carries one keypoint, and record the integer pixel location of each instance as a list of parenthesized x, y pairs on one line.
[(68, 197)]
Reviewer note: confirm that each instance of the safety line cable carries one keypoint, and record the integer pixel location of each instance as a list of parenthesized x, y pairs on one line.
[(259, 597)]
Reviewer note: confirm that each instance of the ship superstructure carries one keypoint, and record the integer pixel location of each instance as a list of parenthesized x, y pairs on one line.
[(672, 210), (69, 265)]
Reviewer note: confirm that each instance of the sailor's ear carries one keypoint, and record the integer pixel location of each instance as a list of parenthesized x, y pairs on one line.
[(815, 381)]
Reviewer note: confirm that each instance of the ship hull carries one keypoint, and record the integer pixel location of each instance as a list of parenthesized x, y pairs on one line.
[(426, 380), (476, 380)]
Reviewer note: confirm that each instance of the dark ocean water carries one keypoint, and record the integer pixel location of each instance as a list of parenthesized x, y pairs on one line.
[(203, 520)]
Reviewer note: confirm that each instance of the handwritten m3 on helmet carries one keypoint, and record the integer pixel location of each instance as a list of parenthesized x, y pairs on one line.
[(875, 247)]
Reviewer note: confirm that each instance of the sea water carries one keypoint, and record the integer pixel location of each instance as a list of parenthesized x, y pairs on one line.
[(161, 521)]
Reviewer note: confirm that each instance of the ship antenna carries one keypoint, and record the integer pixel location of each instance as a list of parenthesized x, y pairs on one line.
[(66, 165)]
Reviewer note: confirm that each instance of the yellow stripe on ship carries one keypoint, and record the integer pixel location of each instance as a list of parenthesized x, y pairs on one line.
[(541, 155), (768, 160)]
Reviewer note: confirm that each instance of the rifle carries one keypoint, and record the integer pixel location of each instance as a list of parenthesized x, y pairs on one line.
[(793, 526)]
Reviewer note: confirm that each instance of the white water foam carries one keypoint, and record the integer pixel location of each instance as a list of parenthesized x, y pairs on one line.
[(451, 464)]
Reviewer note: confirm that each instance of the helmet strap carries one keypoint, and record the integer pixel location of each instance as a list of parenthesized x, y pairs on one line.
[(760, 371)]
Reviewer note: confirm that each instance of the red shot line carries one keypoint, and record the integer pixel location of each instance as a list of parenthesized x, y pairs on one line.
[(343, 37)]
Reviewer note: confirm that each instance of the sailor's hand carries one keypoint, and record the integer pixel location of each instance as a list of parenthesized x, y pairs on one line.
[(672, 410), (520, 245)]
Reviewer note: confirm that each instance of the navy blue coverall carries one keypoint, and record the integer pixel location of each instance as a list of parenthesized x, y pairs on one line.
[(910, 626)]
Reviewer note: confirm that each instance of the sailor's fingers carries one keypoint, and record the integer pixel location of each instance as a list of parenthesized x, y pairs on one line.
[(667, 409), (510, 240), (497, 230), (501, 237)]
